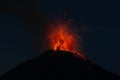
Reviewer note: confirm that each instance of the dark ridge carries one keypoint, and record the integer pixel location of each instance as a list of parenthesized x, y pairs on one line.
[(58, 65)]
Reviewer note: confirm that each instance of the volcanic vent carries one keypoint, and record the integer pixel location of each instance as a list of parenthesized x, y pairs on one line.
[(63, 37)]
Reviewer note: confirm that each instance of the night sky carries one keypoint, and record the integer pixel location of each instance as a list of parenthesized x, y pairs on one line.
[(98, 26)]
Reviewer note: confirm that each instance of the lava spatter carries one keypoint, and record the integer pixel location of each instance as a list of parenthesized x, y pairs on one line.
[(62, 37)]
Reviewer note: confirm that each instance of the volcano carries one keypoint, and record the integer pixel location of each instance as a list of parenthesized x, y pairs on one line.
[(59, 65)]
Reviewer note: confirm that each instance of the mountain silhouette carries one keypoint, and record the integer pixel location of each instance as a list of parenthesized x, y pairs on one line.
[(59, 65)]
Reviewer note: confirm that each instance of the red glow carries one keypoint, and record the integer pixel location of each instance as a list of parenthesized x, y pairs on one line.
[(63, 37)]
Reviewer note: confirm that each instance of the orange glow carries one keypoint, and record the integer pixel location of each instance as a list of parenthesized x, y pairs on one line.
[(63, 37)]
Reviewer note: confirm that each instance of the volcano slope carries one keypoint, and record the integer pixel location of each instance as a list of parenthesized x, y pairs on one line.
[(59, 65)]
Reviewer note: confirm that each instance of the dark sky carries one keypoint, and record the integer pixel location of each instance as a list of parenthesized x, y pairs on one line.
[(99, 27)]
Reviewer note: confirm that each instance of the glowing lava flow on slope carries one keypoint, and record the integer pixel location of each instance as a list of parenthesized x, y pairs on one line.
[(62, 37)]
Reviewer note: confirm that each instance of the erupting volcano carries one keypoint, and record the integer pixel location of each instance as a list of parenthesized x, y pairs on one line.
[(63, 37), (60, 62)]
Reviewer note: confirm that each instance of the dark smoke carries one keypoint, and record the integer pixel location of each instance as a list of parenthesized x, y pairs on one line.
[(35, 21)]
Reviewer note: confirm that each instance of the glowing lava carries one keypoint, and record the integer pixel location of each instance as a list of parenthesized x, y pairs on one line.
[(63, 37)]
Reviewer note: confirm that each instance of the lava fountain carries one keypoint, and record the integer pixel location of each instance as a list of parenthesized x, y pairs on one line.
[(63, 37)]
